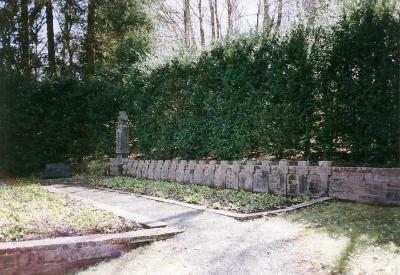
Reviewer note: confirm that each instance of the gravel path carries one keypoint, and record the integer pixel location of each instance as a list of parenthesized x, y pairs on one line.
[(211, 244)]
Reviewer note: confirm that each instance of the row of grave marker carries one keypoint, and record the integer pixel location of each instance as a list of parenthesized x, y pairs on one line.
[(255, 176)]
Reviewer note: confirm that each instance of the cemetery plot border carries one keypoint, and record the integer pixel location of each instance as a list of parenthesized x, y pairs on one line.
[(237, 216), (59, 255), (53, 251), (231, 214)]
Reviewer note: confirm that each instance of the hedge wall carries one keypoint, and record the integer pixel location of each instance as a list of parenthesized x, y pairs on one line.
[(57, 119), (312, 94), (330, 94)]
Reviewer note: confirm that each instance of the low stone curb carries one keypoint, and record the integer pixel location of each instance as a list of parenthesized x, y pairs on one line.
[(144, 221), (58, 255), (237, 216)]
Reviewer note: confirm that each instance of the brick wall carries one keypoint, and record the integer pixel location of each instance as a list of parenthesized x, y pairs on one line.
[(59, 255), (284, 178), (363, 184)]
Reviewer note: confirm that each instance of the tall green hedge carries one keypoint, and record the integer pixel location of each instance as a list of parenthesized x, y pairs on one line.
[(312, 94), (54, 120)]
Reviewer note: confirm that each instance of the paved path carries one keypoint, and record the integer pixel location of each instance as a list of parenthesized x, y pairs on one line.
[(211, 244)]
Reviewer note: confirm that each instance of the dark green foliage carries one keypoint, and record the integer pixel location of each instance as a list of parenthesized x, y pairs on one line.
[(363, 81), (312, 94), (17, 115), (58, 119), (330, 94), (226, 199)]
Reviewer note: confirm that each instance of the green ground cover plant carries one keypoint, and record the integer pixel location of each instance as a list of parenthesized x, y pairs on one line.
[(226, 199), (28, 212), (368, 228)]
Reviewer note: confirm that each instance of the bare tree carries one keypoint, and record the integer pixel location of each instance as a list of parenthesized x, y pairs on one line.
[(212, 17), (279, 18), (186, 11), (266, 18), (200, 15), (258, 14), (217, 19), (190, 39), (90, 38), (230, 16), (24, 37), (51, 52), (66, 28)]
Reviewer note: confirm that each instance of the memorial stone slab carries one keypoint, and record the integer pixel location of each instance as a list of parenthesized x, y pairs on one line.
[(150, 172), (135, 168), (198, 175), (125, 169), (139, 170), (58, 170), (220, 174), (165, 170), (158, 170), (302, 172), (122, 136), (314, 185), (324, 172), (145, 169), (246, 176), (189, 172), (172, 171), (275, 182), (232, 176), (292, 183), (130, 167), (180, 171), (260, 183), (209, 173)]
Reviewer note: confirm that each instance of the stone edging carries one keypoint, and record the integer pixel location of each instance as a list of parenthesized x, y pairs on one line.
[(59, 255), (237, 216)]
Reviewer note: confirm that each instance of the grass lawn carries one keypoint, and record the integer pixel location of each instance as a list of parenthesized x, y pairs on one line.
[(226, 199), (366, 237), (29, 212)]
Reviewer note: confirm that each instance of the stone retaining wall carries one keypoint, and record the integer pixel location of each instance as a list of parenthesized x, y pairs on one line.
[(285, 178), (59, 255)]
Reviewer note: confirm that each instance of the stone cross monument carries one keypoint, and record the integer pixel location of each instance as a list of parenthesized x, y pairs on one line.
[(122, 136)]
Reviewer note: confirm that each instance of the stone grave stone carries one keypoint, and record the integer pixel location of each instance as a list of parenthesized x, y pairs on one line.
[(246, 176), (57, 170), (198, 174), (122, 136), (260, 182), (232, 176)]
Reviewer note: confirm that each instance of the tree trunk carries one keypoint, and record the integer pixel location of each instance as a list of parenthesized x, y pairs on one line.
[(189, 33), (50, 37), (212, 16), (230, 14), (67, 33), (202, 38), (279, 19), (217, 19), (24, 37), (186, 22), (266, 18), (7, 34), (193, 38), (258, 14), (90, 38)]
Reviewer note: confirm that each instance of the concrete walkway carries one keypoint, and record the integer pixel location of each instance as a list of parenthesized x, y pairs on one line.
[(211, 244)]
